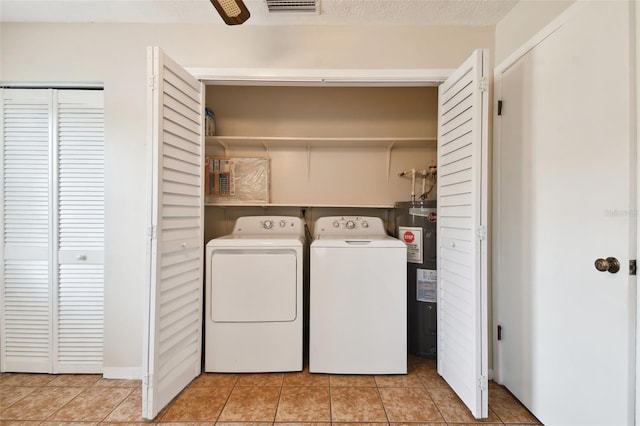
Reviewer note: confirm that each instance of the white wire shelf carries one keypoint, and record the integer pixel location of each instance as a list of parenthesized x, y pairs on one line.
[(266, 142)]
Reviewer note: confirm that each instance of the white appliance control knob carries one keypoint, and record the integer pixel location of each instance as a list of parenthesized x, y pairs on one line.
[(268, 224), (283, 224), (336, 224), (365, 224), (350, 224)]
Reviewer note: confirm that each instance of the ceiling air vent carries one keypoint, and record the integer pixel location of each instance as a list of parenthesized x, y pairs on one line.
[(293, 5)]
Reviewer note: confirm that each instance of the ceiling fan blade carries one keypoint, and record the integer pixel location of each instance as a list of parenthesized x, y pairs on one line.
[(233, 12)]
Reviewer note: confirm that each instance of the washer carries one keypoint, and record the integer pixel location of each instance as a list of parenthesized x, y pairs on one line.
[(358, 298), (254, 312)]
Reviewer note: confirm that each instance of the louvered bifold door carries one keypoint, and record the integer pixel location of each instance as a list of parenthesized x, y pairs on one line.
[(25, 296), (174, 331), (462, 232), (52, 225), (79, 304)]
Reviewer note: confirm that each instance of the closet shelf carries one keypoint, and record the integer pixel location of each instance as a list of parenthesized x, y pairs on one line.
[(308, 143), (267, 142)]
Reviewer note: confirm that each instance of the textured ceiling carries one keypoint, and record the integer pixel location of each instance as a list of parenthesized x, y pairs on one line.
[(332, 12)]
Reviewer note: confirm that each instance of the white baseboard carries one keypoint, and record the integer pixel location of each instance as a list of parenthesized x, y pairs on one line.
[(126, 373)]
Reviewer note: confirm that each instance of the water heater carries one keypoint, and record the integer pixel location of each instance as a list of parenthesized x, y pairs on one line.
[(416, 226)]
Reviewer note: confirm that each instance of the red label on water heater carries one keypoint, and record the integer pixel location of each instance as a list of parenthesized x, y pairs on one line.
[(409, 237), (412, 237), (432, 217)]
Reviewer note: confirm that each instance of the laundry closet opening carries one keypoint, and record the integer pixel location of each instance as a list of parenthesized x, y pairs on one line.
[(326, 151), (317, 169)]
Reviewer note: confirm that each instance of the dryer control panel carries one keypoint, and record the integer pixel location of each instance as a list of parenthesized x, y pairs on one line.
[(349, 226), (282, 225)]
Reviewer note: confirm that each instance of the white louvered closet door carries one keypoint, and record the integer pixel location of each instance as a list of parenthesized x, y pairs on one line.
[(26, 296), (80, 231), (52, 227), (462, 232), (173, 337)]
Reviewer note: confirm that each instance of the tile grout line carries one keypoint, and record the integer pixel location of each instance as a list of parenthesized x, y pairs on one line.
[(85, 388), (489, 408), (330, 405), (279, 396), (15, 402), (381, 401), (434, 402), (235, 383), (62, 406), (118, 405)]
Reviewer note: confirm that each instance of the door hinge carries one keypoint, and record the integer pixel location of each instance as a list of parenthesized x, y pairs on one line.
[(153, 82), (483, 383), (152, 232), (499, 332), (483, 85), (632, 267), (482, 233), (147, 380), (499, 107)]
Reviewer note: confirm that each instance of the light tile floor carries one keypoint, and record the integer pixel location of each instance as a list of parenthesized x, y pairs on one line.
[(289, 399)]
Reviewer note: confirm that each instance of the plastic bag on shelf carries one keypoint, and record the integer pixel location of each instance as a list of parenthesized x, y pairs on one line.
[(237, 180)]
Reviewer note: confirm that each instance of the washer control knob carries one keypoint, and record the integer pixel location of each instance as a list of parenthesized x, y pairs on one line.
[(283, 224), (268, 224), (336, 224), (350, 224), (365, 224)]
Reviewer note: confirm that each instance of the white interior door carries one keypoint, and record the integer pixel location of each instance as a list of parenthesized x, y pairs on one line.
[(566, 180), (173, 338), (462, 224), (26, 325), (79, 206)]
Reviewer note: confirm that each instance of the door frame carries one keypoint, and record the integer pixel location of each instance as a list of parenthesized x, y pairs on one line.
[(321, 77), (501, 68), (429, 77)]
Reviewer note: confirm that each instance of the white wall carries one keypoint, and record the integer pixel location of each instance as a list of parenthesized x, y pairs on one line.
[(523, 21), (116, 56)]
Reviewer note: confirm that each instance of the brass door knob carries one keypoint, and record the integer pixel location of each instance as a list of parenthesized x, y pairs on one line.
[(609, 264)]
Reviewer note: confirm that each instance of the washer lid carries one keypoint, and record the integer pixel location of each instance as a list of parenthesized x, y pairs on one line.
[(359, 241)]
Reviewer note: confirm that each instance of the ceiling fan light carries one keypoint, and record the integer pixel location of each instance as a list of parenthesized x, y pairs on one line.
[(233, 12)]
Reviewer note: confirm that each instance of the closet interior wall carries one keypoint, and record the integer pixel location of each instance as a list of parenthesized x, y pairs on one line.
[(331, 150)]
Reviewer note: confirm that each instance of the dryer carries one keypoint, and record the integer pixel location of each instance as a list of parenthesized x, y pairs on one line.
[(253, 308), (358, 298)]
